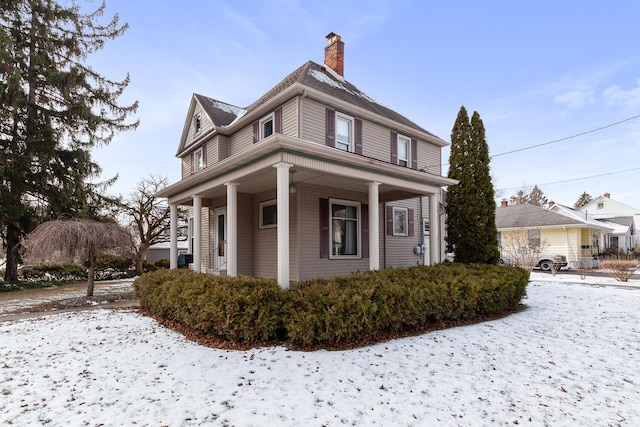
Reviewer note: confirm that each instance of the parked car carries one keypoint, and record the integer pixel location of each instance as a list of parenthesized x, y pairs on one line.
[(545, 261)]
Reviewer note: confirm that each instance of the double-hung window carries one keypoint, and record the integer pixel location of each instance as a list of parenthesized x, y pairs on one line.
[(404, 145), (345, 229), (400, 221), (198, 160), (534, 238), (344, 132), (266, 127)]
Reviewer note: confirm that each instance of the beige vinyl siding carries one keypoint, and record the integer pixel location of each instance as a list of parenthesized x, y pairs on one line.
[(205, 241), (399, 249), (245, 235), (266, 240), (265, 249), (205, 125), (211, 151), (376, 141), (429, 158), (313, 127), (290, 118), (223, 147), (241, 141), (186, 165), (311, 265)]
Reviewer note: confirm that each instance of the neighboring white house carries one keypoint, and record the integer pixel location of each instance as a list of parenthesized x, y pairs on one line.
[(623, 218)]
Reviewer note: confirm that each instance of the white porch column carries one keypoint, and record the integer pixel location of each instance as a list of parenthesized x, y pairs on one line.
[(232, 229), (434, 230), (197, 233), (173, 236), (374, 226), (282, 174)]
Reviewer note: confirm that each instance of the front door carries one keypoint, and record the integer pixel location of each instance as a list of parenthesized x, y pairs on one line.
[(220, 237)]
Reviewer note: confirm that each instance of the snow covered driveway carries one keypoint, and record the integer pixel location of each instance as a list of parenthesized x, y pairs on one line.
[(571, 358)]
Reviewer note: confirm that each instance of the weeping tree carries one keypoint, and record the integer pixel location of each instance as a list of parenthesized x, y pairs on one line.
[(54, 108), (76, 240)]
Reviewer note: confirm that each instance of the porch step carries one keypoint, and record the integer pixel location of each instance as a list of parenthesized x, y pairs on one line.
[(217, 271)]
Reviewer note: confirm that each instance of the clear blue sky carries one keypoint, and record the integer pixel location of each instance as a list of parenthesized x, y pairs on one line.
[(536, 71)]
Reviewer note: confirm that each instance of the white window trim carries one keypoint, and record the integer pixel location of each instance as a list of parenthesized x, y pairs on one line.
[(262, 122), (352, 122), (406, 221), (358, 205), (262, 206), (198, 153), (408, 151)]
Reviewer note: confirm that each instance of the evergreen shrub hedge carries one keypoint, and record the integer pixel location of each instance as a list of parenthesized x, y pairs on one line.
[(331, 311)]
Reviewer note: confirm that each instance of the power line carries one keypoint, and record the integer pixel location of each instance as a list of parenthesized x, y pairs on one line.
[(578, 179), (567, 137)]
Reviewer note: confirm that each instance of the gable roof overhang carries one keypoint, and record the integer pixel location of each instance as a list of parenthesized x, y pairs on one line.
[(525, 216), (314, 164)]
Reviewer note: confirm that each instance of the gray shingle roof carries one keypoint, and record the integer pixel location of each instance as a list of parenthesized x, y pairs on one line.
[(526, 215), (314, 76)]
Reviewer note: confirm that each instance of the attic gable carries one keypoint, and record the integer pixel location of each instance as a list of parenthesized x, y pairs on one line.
[(205, 116)]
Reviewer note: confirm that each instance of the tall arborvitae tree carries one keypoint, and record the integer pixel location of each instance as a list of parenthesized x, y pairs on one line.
[(54, 110), (471, 211), (583, 200)]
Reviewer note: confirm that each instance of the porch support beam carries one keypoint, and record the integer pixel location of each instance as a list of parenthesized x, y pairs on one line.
[(197, 233), (434, 230), (374, 229), (173, 236), (232, 228), (282, 173)]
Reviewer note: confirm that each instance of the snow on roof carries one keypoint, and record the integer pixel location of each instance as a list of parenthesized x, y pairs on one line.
[(324, 78)]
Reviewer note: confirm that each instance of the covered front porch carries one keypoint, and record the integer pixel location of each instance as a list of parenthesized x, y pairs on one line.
[(264, 213)]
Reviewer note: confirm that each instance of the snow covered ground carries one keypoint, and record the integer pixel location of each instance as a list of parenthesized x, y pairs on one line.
[(570, 359)]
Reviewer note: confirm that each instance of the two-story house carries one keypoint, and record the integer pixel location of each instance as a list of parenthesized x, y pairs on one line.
[(314, 179), (624, 218)]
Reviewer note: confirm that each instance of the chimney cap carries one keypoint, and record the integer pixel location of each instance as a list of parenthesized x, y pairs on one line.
[(332, 37)]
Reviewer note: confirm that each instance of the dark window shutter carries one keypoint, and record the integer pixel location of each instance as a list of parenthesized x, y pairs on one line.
[(323, 211), (410, 226), (414, 153), (358, 130), (278, 119), (256, 132), (364, 211), (389, 220), (394, 147), (331, 128)]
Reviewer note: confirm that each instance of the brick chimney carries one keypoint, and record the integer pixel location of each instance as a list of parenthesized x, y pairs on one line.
[(504, 202), (334, 53), (607, 195)]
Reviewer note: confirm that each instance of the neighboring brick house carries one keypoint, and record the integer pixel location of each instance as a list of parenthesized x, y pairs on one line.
[(314, 179)]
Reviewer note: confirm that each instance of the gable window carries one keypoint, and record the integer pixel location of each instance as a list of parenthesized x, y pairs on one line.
[(197, 123), (268, 214), (400, 222), (534, 238), (344, 132), (198, 160), (345, 229), (600, 205), (266, 127), (404, 144)]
